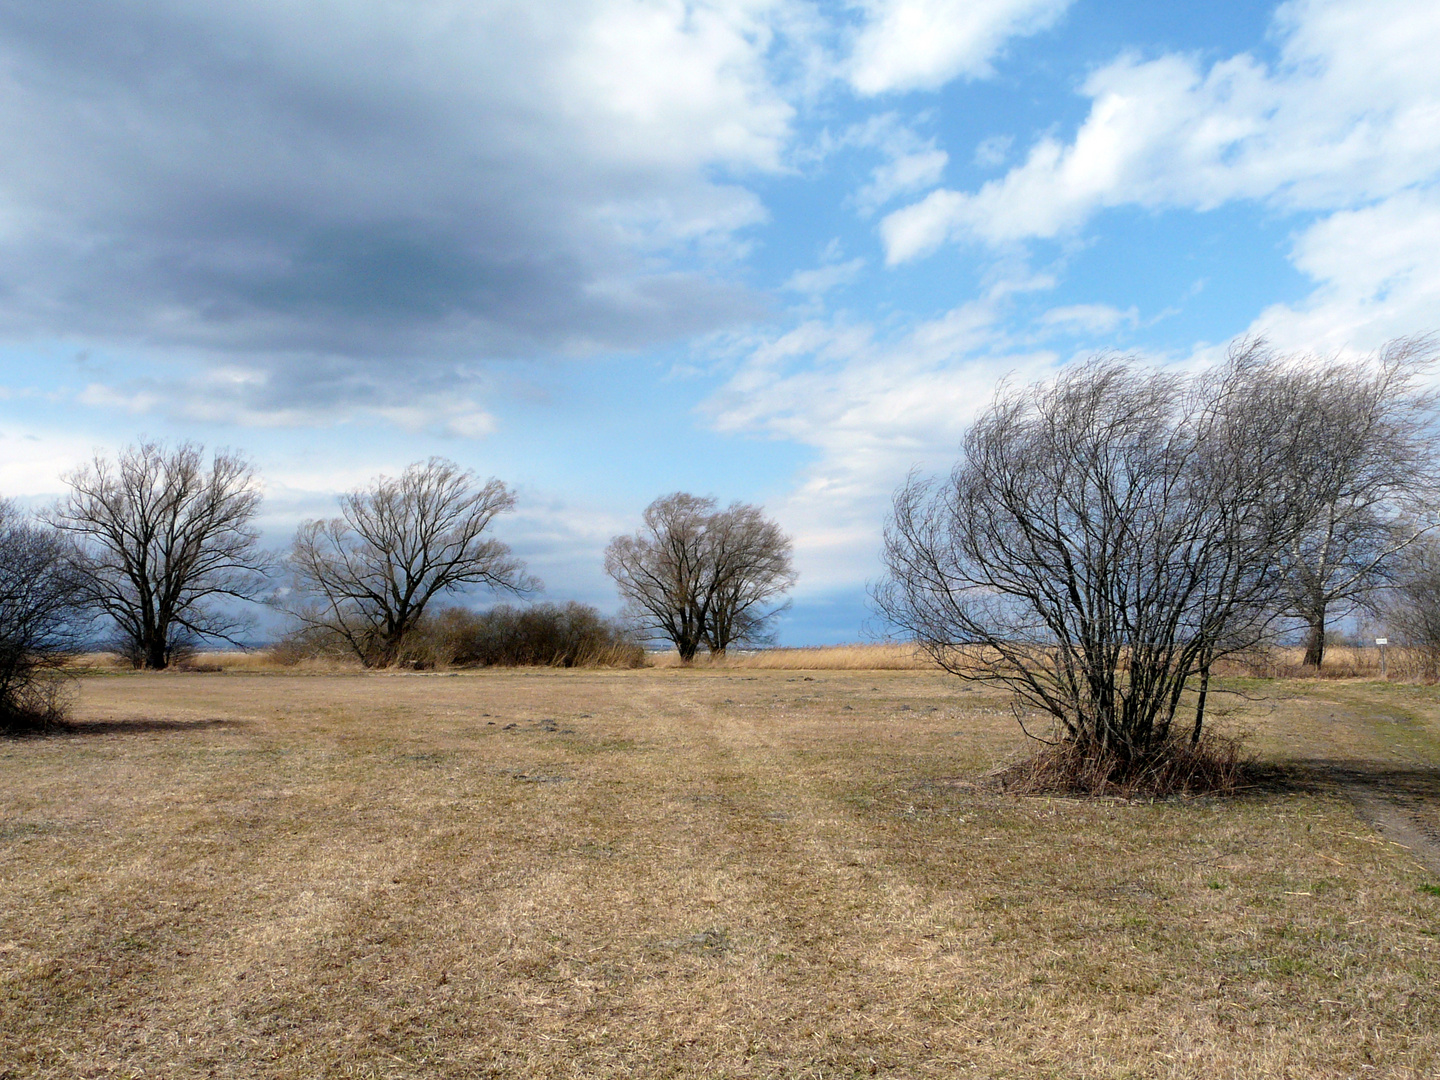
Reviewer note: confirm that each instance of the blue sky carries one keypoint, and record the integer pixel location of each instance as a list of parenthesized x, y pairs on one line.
[(766, 250)]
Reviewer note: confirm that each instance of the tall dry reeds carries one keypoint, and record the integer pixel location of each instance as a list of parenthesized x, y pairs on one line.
[(821, 658)]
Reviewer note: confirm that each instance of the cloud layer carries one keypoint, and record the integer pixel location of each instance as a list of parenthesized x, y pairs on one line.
[(280, 185), (374, 180), (923, 44)]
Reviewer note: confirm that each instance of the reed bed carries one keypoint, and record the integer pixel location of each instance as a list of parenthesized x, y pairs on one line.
[(886, 657)]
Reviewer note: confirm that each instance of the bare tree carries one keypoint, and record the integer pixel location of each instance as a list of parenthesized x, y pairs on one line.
[(165, 544), (43, 614), (1411, 604), (750, 568), (662, 571), (1105, 538), (1364, 438), (365, 577), (693, 575)]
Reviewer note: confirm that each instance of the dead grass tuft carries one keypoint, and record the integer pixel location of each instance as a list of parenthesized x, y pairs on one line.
[(1213, 766)]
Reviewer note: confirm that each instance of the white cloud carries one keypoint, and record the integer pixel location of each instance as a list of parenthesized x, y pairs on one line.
[(923, 44), (872, 409), (993, 150), (1349, 113), (822, 279), (920, 228), (1089, 318), (901, 175), (910, 162), (1378, 275), (33, 459)]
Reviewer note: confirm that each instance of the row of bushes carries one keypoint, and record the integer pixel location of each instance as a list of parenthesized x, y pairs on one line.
[(543, 635)]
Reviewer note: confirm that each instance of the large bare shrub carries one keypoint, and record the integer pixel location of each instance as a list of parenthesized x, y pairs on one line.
[(167, 545), (1104, 540), (364, 578)]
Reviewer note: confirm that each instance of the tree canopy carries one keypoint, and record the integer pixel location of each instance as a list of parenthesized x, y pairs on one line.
[(166, 543), (696, 575)]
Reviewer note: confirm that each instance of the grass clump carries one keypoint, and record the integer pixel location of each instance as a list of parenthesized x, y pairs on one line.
[(1212, 765)]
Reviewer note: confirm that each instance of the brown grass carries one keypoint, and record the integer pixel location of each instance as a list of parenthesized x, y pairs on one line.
[(1341, 662), (740, 873), (825, 658), (1213, 765)]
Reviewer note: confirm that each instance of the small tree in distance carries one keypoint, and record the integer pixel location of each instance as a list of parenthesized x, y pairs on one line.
[(1411, 606), (693, 575), (750, 560), (165, 543), (364, 578)]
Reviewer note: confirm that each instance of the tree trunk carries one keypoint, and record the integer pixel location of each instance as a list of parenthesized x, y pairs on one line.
[(1200, 702), (687, 650), (155, 658), (1315, 640)]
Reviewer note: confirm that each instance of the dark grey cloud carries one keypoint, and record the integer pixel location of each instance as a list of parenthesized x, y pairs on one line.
[(295, 183)]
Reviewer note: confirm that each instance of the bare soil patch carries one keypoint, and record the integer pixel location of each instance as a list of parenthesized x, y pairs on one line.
[(741, 873)]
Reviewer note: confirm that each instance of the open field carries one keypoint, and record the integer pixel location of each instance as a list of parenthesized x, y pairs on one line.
[(730, 872)]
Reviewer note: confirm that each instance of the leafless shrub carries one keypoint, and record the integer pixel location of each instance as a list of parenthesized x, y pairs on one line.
[(1211, 765), (1412, 609), (305, 643), (544, 635), (43, 612), (1104, 541)]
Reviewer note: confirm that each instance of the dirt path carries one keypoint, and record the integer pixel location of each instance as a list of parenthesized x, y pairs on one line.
[(1386, 759), (1399, 803)]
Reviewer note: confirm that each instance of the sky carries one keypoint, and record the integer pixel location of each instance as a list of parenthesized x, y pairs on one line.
[(772, 251)]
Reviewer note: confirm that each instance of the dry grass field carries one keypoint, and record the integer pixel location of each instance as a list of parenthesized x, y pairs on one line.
[(734, 872)]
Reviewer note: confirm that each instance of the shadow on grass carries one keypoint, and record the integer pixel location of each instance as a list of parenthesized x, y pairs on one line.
[(69, 729), (1314, 776)]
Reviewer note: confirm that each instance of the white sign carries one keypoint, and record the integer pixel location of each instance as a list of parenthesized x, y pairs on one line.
[(1382, 641)]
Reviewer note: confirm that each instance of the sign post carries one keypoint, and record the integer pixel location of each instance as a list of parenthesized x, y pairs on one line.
[(1382, 642)]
